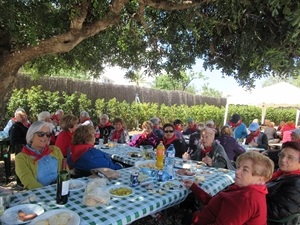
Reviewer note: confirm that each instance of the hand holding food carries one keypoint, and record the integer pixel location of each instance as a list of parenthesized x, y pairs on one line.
[(187, 183), (25, 217)]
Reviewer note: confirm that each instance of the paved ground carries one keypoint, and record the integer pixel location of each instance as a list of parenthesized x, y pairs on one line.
[(170, 217)]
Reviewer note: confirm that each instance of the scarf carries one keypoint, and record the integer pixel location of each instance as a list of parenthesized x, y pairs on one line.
[(27, 151), (116, 134), (167, 142), (279, 173), (206, 150), (234, 125), (106, 125), (252, 136), (78, 150), (88, 118)]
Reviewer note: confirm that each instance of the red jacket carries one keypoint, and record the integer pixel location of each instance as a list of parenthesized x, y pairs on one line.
[(234, 206), (63, 141)]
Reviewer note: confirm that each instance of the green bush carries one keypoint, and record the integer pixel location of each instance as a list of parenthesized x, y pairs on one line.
[(35, 100)]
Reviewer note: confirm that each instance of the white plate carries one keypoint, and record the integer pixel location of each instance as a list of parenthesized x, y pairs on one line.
[(10, 216), (172, 185), (135, 154), (146, 164), (75, 219), (109, 189), (76, 185)]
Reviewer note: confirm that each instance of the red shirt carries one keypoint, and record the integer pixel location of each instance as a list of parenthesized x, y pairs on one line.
[(63, 141)]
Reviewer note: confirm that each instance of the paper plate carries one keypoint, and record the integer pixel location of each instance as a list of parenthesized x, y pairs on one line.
[(120, 191), (74, 217), (146, 164), (10, 216), (76, 185), (172, 185)]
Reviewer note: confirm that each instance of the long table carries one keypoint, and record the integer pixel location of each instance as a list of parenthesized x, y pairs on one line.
[(120, 153), (120, 211), (215, 180)]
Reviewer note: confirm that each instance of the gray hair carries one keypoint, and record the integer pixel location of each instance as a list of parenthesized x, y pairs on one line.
[(104, 116), (155, 120), (43, 115), (19, 110), (35, 127), (84, 113), (59, 111)]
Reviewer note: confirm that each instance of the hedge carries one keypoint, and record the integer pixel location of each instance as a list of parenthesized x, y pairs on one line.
[(36, 100)]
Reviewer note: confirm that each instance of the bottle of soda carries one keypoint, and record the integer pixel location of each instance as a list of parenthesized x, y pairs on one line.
[(160, 155), (169, 161)]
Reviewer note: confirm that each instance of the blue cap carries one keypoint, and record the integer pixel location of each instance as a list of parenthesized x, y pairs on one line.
[(190, 120), (253, 126)]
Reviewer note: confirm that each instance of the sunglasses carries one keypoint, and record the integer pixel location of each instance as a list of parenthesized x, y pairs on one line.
[(168, 131), (42, 134)]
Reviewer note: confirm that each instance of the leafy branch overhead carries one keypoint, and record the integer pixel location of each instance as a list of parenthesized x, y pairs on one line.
[(246, 39)]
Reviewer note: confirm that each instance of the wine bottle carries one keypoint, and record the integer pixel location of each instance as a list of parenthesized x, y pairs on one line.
[(62, 189)]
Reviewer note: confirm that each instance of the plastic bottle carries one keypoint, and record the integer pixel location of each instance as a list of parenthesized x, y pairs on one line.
[(160, 155), (169, 161)]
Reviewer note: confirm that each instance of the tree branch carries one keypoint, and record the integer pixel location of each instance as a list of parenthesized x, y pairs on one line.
[(170, 6)]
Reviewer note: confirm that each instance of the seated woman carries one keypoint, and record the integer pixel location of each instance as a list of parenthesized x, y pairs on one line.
[(256, 138), (84, 156), (38, 163), (68, 124), (283, 198), (170, 138), (229, 143), (146, 138), (210, 151), (120, 133), (242, 203)]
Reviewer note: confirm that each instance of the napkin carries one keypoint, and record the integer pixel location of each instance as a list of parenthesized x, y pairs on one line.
[(107, 172)]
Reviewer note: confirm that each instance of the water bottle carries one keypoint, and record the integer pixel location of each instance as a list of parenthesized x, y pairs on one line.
[(169, 161)]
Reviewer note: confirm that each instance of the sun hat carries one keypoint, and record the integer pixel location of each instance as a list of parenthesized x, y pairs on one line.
[(235, 118), (296, 131), (253, 126)]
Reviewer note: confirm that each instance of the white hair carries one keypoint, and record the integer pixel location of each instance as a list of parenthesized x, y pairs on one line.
[(59, 111), (43, 115), (84, 113), (35, 127)]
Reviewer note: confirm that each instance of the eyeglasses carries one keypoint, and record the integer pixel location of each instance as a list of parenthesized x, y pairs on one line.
[(168, 131), (288, 157), (42, 134)]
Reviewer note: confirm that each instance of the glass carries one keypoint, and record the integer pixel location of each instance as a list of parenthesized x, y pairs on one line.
[(42, 134), (168, 131), (288, 157)]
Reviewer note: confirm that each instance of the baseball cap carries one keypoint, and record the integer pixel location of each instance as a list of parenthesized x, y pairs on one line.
[(235, 118), (253, 126)]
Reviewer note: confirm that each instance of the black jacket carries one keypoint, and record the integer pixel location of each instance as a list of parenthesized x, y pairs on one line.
[(283, 199)]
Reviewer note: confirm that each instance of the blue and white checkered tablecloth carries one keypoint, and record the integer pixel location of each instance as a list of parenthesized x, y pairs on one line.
[(120, 153), (215, 180), (119, 211)]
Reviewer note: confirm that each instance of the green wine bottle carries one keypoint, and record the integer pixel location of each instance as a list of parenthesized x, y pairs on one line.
[(62, 189)]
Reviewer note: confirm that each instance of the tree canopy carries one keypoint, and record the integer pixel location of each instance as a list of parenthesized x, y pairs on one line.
[(246, 39)]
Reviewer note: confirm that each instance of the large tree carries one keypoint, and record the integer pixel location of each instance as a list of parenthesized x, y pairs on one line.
[(246, 39)]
